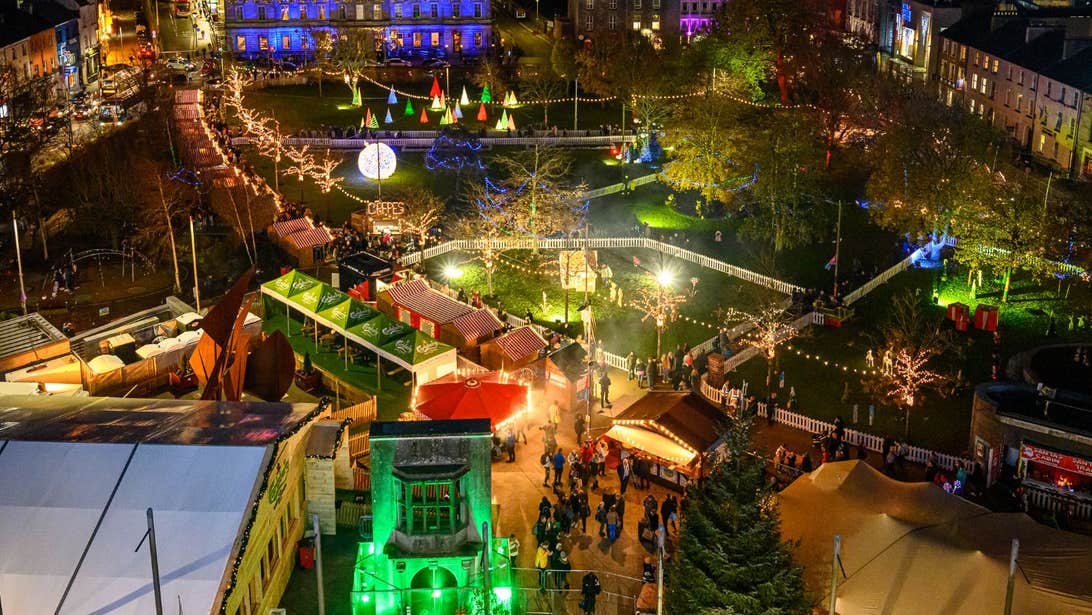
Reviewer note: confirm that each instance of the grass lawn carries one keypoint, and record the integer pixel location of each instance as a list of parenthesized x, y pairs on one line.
[(520, 286), (300, 107), (941, 423), (391, 400)]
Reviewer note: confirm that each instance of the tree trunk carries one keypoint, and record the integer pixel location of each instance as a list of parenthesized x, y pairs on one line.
[(1008, 281), (782, 80), (45, 246), (906, 429)]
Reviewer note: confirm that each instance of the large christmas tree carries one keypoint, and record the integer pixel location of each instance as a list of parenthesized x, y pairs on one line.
[(729, 556)]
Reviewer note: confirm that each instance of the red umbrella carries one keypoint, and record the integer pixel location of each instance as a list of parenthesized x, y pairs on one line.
[(435, 91), (481, 396)]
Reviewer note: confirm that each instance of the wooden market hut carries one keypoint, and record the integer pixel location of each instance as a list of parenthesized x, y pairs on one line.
[(673, 431), (468, 331), (304, 242), (416, 303), (566, 376), (512, 350)]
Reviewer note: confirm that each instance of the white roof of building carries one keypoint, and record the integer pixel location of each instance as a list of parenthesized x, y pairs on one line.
[(53, 495)]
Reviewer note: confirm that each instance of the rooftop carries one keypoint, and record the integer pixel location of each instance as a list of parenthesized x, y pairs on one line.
[(426, 429), (150, 421), (684, 414), (15, 25), (24, 333), (1066, 411)]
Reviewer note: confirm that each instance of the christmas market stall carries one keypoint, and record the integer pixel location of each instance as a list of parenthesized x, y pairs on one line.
[(513, 350), (416, 303), (304, 241), (362, 275), (566, 377), (357, 323), (469, 330), (673, 431)]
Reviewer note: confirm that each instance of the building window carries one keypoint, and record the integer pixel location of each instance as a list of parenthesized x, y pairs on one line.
[(261, 13), (613, 4), (655, 21), (398, 11), (429, 507), (612, 22), (477, 39), (416, 11), (263, 43), (1020, 76), (974, 81), (636, 22), (240, 43), (962, 53), (477, 10), (434, 10), (434, 39), (341, 12), (977, 57), (656, 4), (322, 11), (286, 42), (456, 10), (589, 4), (377, 12), (284, 13), (996, 65), (1042, 142), (588, 22), (238, 13), (636, 5), (416, 39)]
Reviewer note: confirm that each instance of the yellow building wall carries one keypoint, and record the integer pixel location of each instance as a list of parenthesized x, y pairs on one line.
[(281, 520)]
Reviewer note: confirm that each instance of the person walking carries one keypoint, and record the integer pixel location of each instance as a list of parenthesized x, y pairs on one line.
[(631, 366), (653, 375), (510, 445), (590, 588), (559, 467), (669, 511), (579, 426), (542, 562), (582, 509), (625, 471), (562, 567), (601, 518), (545, 461), (513, 550)]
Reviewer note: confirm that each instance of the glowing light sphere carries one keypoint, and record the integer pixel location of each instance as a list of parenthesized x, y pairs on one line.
[(377, 161), (664, 278)]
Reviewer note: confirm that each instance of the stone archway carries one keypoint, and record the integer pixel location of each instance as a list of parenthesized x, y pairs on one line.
[(434, 592)]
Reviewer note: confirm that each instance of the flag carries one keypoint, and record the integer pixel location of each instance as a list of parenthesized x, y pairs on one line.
[(832, 262)]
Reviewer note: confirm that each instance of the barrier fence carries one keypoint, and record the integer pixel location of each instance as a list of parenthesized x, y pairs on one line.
[(425, 141), (364, 412)]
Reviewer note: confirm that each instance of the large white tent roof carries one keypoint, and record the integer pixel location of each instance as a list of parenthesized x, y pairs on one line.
[(912, 548), (53, 495)]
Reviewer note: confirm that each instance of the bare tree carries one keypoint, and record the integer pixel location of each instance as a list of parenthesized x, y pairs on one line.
[(423, 209), (659, 303), (768, 326)]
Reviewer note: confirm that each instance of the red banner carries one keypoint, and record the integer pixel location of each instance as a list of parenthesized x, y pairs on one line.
[(1055, 459)]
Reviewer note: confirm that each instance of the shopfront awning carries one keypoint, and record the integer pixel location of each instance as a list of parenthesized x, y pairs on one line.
[(651, 443)]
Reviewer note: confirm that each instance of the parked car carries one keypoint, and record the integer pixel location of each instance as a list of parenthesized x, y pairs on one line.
[(435, 63), (177, 63), (398, 62), (521, 14)]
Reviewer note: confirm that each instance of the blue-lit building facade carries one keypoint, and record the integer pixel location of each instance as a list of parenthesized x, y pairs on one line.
[(447, 28)]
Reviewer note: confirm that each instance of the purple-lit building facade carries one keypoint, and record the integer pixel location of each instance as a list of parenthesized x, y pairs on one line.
[(656, 19), (421, 28)]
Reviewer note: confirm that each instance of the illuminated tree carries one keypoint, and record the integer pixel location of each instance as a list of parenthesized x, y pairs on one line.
[(322, 172), (705, 151), (543, 85), (922, 352), (423, 210), (323, 42), (769, 326), (488, 76), (353, 55), (533, 200), (455, 151), (659, 303), (483, 227)]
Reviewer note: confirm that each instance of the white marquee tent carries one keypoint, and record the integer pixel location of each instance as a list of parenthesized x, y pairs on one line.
[(912, 548)]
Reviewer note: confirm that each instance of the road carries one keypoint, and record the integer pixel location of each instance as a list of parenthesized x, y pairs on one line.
[(123, 42), (183, 35)]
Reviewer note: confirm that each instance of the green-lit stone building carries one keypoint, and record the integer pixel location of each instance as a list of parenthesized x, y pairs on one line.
[(431, 550)]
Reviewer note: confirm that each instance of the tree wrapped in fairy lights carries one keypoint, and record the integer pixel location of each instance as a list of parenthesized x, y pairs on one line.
[(765, 328), (455, 151), (658, 302), (918, 355)]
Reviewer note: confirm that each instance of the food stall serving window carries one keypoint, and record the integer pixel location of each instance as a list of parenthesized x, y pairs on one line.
[(1055, 471)]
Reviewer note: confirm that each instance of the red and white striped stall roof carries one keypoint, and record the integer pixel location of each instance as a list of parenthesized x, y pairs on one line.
[(401, 292), (287, 227), (476, 324), (521, 342), (311, 237), (435, 306)]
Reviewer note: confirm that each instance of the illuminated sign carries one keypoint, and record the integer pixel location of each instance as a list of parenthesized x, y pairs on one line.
[(386, 209), (905, 11)]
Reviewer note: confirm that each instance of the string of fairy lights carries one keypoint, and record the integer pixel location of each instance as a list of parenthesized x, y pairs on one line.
[(597, 99), (816, 357)]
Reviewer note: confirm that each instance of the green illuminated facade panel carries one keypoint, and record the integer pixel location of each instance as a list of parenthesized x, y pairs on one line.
[(431, 524)]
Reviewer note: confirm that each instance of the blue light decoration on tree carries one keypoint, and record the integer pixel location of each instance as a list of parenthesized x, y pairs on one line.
[(651, 150), (454, 150)]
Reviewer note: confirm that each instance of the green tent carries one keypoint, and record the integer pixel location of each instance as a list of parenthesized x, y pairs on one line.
[(320, 298), (349, 313), (416, 348), (381, 330), (291, 284)]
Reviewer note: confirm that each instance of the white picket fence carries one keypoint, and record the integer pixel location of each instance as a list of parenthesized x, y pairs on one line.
[(875, 282), (1054, 502), (853, 437), (568, 243)]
